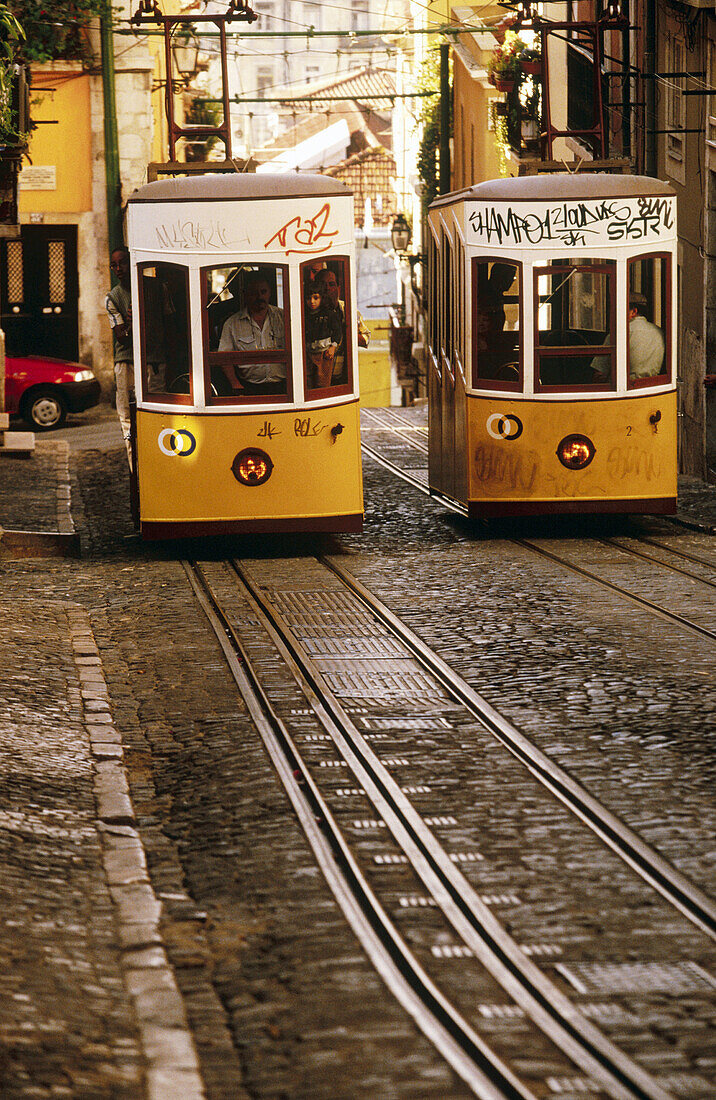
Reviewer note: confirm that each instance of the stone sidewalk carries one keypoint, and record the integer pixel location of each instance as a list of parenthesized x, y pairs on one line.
[(89, 1006)]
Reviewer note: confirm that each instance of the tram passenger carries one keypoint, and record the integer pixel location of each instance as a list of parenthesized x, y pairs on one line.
[(259, 325), (328, 283), (646, 345), (324, 332), (496, 350), (118, 304)]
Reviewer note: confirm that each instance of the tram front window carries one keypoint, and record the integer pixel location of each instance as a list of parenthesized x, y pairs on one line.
[(575, 338), (246, 332), (326, 332), (166, 357), (648, 319), (497, 338)]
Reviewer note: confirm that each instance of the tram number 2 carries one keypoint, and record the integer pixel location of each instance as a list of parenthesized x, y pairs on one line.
[(303, 427), (628, 431)]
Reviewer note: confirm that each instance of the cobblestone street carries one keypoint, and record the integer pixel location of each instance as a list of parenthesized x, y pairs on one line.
[(166, 929)]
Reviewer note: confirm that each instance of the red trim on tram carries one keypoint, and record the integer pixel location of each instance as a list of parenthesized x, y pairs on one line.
[(348, 524), (485, 509)]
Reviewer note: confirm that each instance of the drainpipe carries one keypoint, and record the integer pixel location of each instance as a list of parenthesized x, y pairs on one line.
[(111, 144), (650, 88)]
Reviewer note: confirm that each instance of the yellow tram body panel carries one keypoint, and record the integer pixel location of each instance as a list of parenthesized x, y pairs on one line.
[(513, 467), (187, 486)]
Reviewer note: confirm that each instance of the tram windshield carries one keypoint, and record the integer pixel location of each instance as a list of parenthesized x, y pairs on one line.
[(165, 344), (497, 340), (575, 335), (649, 320), (246, 333), (325, 293)]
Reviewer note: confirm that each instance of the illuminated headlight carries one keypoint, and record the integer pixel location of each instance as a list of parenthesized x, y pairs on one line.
[(252, 466), (83, 376), (576, 451)]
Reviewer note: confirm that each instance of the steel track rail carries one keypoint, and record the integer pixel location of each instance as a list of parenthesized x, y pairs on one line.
[(640, 601), (670, 616), (417, 444), (678, 553), (697, 906), (464, 1050), (657, 561), (548, 1007), (657, 871)]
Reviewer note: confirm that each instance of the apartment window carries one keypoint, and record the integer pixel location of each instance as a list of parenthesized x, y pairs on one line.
[(264, 81), (312, 15), (675, 108), (360, 15)]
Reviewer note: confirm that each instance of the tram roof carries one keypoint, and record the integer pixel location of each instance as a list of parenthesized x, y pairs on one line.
[(548, 187), (215, 187)]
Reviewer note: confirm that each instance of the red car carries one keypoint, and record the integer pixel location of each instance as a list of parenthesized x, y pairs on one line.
[(43, 390)]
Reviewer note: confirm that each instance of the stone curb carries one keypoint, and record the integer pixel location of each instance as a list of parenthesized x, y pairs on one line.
[(171, 1059)]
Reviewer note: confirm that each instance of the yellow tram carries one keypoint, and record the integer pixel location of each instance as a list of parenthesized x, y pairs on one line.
[(245, 355), (551, 334)]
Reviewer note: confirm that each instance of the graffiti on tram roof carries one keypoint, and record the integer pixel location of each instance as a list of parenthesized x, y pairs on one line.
[(574, 224)]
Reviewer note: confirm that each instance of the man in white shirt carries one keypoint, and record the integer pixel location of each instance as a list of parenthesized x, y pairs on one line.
[(646, 342), (258, 325), (646, 346)]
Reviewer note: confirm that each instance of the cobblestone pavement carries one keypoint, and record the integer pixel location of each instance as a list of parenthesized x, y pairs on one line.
[(198, 901)]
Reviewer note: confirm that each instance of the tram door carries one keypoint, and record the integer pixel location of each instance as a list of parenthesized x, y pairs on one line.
[(434, 370), (447, 364)]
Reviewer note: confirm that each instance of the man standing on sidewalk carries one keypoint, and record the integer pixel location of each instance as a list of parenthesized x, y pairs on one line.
[(118, 304)]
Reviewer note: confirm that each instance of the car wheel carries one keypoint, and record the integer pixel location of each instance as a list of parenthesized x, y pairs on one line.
[(44, 408)]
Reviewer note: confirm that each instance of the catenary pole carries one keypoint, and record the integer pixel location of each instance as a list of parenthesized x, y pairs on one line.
[(111, 142)]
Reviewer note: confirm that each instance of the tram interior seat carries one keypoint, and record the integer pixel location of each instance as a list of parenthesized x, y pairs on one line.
[(568, 370)]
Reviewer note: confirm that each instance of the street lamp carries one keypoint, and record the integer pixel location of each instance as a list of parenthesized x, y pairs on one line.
[(186, 53), (400, 234)]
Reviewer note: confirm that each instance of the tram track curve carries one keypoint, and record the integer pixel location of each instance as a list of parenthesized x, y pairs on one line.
[(471, 919)]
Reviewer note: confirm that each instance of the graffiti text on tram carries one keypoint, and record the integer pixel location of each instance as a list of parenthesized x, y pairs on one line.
[(574, 224), (305, 235)]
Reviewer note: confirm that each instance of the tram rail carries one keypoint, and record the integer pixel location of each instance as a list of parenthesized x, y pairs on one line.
[(396, 425), (610, 1071)]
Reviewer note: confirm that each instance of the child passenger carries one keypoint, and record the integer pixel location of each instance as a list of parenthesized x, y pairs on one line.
[(323, 335)]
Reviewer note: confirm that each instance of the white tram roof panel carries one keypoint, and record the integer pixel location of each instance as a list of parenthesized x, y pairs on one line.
[(218, 187), (547, 187)]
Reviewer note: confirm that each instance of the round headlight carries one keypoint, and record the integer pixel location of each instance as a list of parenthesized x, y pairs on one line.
[(252, 466), (576, 451)]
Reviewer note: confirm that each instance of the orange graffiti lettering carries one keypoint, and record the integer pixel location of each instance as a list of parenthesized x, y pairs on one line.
[(305, 234)]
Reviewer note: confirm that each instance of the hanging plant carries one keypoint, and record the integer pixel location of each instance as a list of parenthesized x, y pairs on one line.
[(12, 37), (531, 62), (503, 69), (55, 28)]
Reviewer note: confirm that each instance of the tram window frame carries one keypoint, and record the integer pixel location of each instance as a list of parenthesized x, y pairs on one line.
[(446, 303), (665, 303), (460, 306), (314, 393), (164, 397), (216, 358), (433, 325), (507, 385), (581, 351)]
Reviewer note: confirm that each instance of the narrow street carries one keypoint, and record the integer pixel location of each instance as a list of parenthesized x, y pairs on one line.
[(168, 928)]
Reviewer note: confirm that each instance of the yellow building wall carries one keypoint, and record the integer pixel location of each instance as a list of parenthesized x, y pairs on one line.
[(475, 153), (60, 103), (374, 367)]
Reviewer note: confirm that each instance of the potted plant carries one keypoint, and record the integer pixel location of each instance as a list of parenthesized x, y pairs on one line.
[(531, 61), (504, 69)]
